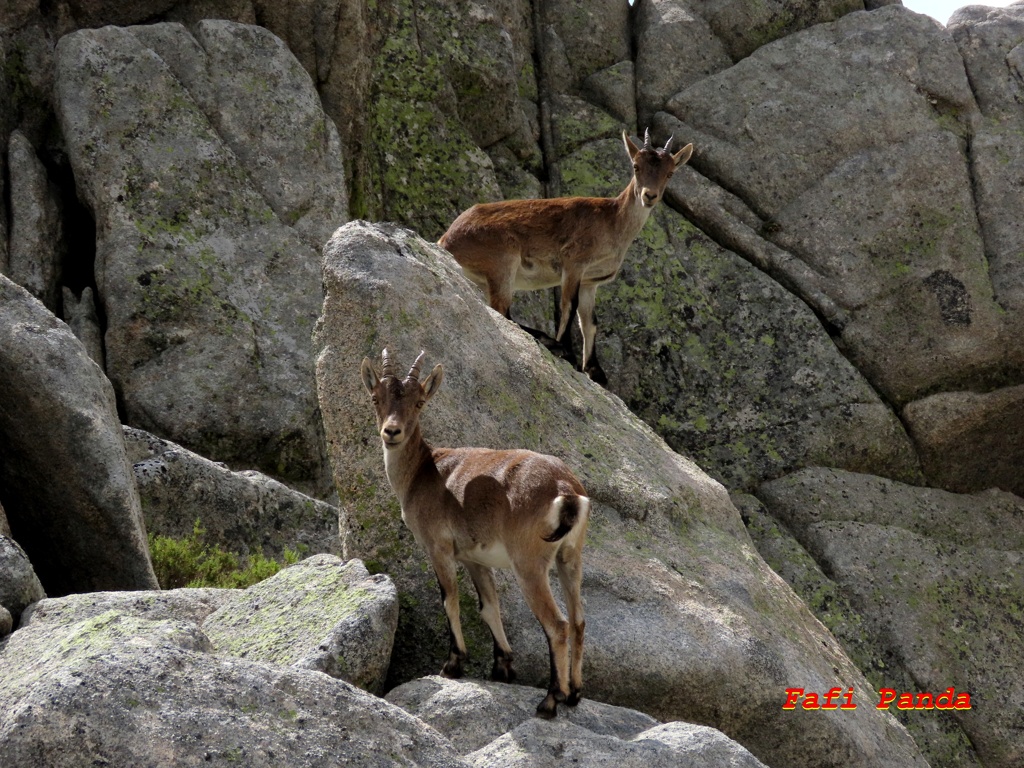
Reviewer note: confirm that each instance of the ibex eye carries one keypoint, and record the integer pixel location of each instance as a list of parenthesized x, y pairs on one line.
[(421, 403)]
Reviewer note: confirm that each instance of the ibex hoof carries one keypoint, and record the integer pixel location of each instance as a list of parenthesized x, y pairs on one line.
[(502, 672), (574, 697), (452, 669), (547, 708), (597, 375)]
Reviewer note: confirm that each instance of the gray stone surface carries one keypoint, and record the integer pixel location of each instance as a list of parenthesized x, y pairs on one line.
[(242, 512), (970, 441), (938, 578), (145, 692), (69, 491), (179, 605), (847, 139), (322, 614), (671, 580), (473, 713), (36, 243), (203, 257), (19, 585)]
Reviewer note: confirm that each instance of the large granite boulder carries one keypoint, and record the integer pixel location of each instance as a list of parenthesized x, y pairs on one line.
[(243, 512), (673, 587), (321, 614), (937, 578), (728, 366), (493, 724), (212, 174), (19, 585), (848, 139), (118, 689), (68, 488)]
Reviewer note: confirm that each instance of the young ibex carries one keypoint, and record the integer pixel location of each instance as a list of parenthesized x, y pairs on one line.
[(576, 243), (487, 509)]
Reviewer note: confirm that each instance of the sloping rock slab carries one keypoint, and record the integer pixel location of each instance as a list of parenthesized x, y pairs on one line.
[(473, 713), (19, 585), (205, 267), (321, 614), (938, 576), (684, 620), (242, 512), (119, 690), (69, 492), (538, 744), (181, 605)]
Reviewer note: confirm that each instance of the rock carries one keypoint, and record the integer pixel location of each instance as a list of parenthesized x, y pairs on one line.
[(969, 441), (989, 40), (207, 279), (675, 48), (180, 605), (854, 158), (472, 713), (80, 315), (493, 724), (744, 27), (936, 575), (143, 692), (6, 622), (671, 582), (36, 235), (69, 491), (766, 391), (936, 733), (19, 585), (595, 35), (242, 512), (536, 743), (321, 614)]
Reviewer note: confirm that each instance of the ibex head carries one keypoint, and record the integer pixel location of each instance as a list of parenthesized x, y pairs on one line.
[(398, 402), (653, 167)]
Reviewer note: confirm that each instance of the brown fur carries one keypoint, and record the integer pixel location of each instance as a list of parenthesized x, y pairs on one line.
[(576, 243)]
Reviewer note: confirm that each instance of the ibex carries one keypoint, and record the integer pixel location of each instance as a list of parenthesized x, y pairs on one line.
[(576, 243), (487, 509)]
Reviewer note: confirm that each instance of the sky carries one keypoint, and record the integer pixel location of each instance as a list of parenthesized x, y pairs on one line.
[(943, 9)]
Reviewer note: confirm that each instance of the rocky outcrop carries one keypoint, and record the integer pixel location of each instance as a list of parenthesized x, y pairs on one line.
[(669, 580), (150, 691), (68, 489), (936, 576), (207, 226), (19, 585), (243, 512), (321, 614), (492, 724)]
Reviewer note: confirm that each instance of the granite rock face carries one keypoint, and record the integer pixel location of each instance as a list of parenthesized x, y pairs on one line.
[(670, 577), (68, 489), (212, 174)]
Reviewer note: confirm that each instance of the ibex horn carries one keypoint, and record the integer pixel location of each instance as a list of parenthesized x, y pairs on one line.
[(647, 138), (388, 365), (668, 144), (414, 372)]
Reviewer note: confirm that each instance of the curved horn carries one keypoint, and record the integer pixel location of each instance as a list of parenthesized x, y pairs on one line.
[(668, 144), (647, 138), (387, 365), (414, 372)]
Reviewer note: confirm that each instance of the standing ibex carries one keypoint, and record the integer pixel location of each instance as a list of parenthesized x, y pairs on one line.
[(576, 243), (487, 509)]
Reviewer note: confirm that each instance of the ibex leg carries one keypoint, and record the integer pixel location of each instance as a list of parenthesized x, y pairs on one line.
[(490, 612)]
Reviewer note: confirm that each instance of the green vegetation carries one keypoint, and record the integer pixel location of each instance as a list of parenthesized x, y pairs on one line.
[(190, 562)]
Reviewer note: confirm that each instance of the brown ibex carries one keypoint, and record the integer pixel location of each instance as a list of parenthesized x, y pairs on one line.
[(487, 509), (576, 243)]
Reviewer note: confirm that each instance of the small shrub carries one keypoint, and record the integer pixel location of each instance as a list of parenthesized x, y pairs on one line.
[(190, 562)]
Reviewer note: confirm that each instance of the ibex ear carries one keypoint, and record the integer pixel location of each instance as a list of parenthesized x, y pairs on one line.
[(433, 382), (631, 148), (683, 155), (368, 375)]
